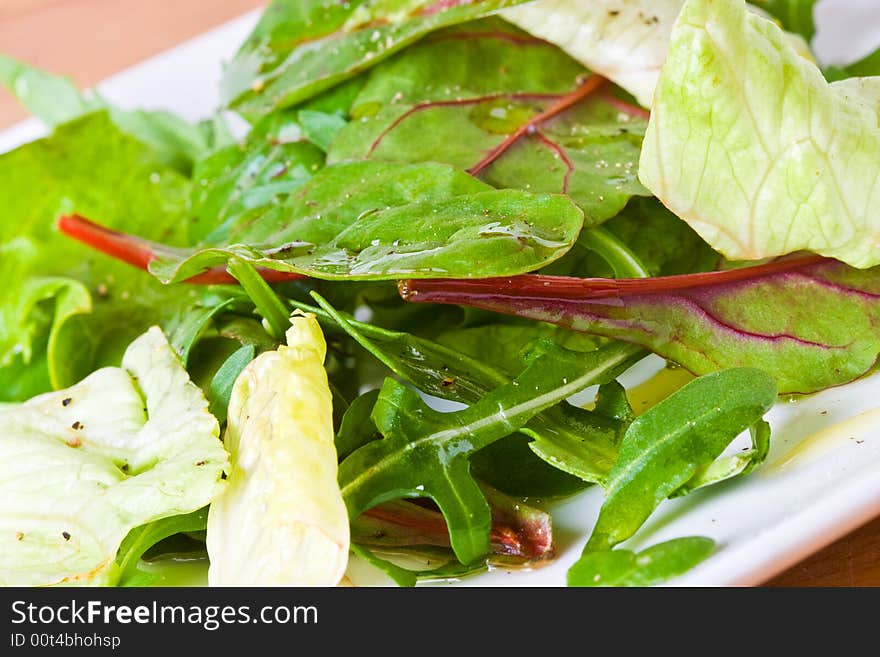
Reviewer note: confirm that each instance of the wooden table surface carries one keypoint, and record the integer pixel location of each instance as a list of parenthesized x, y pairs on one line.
[(92, 39)]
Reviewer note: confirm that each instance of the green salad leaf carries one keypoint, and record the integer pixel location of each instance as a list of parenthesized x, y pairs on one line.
[(142, 538), (303, 47), (664, 448), (56, 100), (88, 307), (82, 467), (762, 316), (238, 182), (527, 117), (392, 220), (654, 565), (573, 440), (624, 41), (425, 453), (751, 146)]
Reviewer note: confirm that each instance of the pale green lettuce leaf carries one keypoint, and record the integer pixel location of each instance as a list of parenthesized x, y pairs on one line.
[(623, 40), (626, 41), (81, 467), (751, 146), (281, 520)]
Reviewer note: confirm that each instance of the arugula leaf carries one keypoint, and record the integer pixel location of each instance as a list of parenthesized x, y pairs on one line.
[(573, 440), (732, 466), (654, 565), (393, 220), (528, 117), (763, 316), (303, 47), (664, 448), (582, 443), (141, 539), (56, 100), (100, 305), (793, 172), (425, 453)]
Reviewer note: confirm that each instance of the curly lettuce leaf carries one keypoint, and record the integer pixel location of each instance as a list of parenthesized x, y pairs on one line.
[(751, 146), (80, 468), (627, 40)]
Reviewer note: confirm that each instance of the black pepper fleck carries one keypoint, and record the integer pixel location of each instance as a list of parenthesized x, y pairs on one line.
[(77, 425), (66, 401), (66, 535)]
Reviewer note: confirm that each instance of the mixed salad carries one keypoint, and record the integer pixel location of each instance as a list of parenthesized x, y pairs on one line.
[(236, 350)]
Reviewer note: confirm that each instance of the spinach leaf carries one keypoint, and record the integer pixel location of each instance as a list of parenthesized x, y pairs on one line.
[(425, 453), (654, 565), (303, 47), (664, 448), (762, 316), (392, 220), (508, 107)]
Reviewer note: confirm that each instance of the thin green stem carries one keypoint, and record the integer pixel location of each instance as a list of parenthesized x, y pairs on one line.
[(269, 306)]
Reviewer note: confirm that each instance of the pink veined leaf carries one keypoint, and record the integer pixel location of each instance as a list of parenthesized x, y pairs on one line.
[(810, 322)]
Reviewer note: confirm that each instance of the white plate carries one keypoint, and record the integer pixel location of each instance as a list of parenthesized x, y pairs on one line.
[(815, 486)]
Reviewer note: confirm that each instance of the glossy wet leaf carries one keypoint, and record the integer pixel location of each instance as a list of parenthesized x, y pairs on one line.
[(654, 565), (303, 47), (237, 182), (391, 221), (433, 103)]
